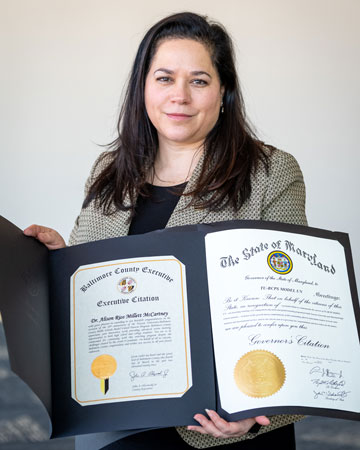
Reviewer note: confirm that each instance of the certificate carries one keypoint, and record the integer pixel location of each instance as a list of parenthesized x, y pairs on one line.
[(129, 331), (243, 317), (282, 307), (131, 326)]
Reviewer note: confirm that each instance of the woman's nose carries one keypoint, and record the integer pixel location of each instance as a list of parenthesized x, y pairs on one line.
[(181, 93)]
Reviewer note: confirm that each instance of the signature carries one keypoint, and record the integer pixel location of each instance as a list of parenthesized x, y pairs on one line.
[(326, 372), (151, 373), (329, 395), (330, 384)]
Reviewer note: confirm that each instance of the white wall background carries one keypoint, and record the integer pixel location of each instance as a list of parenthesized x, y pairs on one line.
[(64, 62)]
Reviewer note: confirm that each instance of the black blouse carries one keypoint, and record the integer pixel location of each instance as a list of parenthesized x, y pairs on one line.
[(153, 212)]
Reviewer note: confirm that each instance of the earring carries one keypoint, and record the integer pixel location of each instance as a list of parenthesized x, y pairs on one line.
[(222, 107)]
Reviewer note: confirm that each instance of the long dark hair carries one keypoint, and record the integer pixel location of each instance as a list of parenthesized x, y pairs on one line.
[(231, 150)]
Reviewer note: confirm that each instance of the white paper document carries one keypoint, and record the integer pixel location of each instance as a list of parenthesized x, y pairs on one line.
[(129, 331), (283, 321)]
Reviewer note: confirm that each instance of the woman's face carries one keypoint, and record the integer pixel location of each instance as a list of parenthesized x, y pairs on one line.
[(182, 92)]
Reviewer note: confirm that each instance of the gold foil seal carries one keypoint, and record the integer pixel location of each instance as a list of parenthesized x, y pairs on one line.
[(259, 373), (103, 367)]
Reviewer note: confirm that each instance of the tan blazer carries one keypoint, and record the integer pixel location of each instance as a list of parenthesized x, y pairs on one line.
[(278, 195)]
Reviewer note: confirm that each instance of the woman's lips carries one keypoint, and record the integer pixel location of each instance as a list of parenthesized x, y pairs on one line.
[(177, 116)]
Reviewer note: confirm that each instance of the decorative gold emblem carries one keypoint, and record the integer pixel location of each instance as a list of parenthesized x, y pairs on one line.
[(259, 373), (103, 367)]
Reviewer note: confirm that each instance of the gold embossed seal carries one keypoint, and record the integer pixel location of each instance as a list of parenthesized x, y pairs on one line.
[(259, 373), (103, 367)]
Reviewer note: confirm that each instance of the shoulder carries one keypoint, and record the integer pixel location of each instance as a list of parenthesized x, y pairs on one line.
[(101, 163), (281, 170), (281, 163), (281, 188)]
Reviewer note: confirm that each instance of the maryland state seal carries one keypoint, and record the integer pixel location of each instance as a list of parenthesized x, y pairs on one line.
[(280, 262)]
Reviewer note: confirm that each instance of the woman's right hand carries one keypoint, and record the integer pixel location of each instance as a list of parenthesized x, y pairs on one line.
[(49, 237)]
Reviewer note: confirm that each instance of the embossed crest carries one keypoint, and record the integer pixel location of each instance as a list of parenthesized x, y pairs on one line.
[(127, 285), (280, 262)]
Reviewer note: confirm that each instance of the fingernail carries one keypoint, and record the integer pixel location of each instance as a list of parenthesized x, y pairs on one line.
[(207, 411)]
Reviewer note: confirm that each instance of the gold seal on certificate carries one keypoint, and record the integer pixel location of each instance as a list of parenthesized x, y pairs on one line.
[(103, 367), (259, 373)]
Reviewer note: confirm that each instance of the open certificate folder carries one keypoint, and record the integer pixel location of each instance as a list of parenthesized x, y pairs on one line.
[(243, 317)]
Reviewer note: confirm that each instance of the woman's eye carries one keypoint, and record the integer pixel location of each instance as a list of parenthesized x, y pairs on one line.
[(199, 82), (163, 79)]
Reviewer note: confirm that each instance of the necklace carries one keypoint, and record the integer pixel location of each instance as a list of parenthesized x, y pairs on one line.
[(172, 182)]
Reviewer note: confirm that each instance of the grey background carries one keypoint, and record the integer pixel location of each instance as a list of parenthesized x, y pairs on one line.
[(24, 422), (64, 63)]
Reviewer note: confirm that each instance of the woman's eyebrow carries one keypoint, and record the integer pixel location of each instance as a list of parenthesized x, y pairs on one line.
[(200, 72), (194, 72), (168, 71)]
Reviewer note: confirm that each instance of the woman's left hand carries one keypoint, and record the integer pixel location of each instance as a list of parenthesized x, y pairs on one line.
[(217, 427)]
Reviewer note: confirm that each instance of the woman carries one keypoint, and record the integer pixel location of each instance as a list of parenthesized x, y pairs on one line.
[(185, 154)]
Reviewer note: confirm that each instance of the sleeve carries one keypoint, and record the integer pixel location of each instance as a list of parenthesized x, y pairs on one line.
[(100, 163), (74, 231), (197, 440), (284, 199)]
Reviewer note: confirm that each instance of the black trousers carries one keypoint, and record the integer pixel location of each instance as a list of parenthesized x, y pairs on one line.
[(168, 439)]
